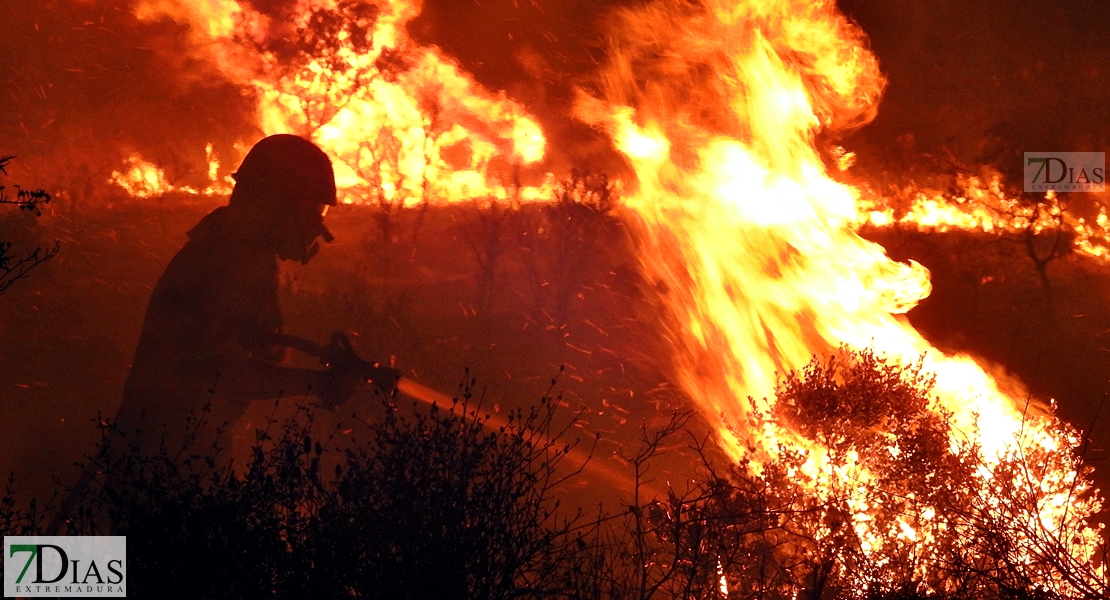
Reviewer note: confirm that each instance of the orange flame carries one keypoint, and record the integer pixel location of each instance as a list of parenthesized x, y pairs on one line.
[(716, 105), (402, 122), (143, 179), (984, 204)]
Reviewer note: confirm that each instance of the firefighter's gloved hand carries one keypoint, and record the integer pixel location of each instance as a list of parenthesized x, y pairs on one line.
[(337, 386), (340, 356)]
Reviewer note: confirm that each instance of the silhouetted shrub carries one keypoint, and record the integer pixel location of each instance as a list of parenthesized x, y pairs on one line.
[(440, 503), (435, 504)]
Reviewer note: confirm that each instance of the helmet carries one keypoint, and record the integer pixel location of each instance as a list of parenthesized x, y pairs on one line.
[(286, 182), (287, 169)]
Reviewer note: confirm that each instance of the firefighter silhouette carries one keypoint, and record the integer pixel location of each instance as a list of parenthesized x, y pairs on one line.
[(210, 343)]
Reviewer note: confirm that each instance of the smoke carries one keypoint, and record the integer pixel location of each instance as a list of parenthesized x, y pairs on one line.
[(538, 51), (85, 84), (982, 82)]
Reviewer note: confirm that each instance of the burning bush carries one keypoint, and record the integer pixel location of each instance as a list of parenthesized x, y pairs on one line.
[(440, 504), (896, 505)]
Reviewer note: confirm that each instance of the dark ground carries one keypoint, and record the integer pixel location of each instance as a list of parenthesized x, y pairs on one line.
[(513, 295), (562, 291)]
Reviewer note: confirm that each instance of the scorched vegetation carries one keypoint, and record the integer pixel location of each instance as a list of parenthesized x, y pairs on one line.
[(434, 504)]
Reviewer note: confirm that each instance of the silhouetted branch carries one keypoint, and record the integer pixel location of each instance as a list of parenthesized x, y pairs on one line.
[(13, 267)]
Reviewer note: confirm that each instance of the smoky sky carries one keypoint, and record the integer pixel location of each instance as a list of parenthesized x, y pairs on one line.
[(989, 80), (85, 84), (538, 51)]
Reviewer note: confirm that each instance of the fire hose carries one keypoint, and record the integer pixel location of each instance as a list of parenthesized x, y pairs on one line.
[(339, 354)]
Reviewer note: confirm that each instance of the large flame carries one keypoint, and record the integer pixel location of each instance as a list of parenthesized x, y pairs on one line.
[(402, 122), (716, 105)]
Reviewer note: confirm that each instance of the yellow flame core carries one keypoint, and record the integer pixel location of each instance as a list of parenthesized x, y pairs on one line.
[(401, 122), (716, 107)]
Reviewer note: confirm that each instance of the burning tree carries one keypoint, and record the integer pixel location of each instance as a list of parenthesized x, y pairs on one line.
[(923, 508), (403, 122)]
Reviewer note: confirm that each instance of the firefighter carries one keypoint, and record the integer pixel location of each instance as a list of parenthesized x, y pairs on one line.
[(210, 343)]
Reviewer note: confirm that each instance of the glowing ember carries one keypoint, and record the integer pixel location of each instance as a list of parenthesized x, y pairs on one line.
[(716, 106), (402, 123)]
